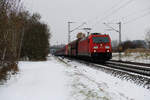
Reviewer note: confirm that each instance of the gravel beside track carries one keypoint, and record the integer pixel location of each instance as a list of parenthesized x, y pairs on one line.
[(139, 74)]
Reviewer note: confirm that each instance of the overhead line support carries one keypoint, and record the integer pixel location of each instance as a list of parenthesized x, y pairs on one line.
[(118, 31), (69, 30)]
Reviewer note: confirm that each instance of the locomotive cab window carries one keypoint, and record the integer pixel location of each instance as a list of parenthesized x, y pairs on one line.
[(100, 39)]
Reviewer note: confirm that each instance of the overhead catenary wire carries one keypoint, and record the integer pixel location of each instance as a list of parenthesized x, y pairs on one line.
[(107, 11), (138, 17), (78, 27), (114, 11), (131, 15)]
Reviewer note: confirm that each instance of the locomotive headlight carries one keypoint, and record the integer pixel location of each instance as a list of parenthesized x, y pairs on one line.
[(107, 47), (95, 47), (107, 50)]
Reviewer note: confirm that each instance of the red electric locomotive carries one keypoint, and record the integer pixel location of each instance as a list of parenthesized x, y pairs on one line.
[(95, 46)]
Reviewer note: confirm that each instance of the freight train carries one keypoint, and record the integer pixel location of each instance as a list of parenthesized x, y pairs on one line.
[(96, 46)]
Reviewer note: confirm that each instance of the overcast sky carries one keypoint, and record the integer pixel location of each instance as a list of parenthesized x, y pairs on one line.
[(56, 13)]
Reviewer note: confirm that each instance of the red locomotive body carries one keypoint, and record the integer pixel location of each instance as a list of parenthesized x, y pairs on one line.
[(95, 46)]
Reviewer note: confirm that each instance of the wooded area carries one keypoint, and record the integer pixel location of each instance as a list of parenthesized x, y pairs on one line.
[(22, 35)]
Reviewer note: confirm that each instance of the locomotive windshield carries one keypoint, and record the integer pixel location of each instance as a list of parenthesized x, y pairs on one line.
[(100, 39)]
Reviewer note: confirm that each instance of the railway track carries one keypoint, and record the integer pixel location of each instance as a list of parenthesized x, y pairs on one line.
[(137, 73), (134, 63), (137, 68), (134, 68)]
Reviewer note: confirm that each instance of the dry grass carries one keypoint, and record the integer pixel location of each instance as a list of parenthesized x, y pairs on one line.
[(138, 50), (142, 53), (5, 72)]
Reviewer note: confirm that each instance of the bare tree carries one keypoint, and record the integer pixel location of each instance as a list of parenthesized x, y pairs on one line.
[(147, 38), (11, 28)]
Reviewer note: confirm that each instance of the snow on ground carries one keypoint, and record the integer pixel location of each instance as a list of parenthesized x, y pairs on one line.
[(36, 81), (92, 84), (133, 57), (68, 80)]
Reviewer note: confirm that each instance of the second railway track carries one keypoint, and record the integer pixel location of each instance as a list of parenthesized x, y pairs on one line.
[(135, 73), (134, 68), (140, 69)]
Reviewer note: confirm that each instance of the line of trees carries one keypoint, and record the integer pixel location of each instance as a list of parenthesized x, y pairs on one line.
[(22, 35), (128, 44), (35, 45), (11, 26)]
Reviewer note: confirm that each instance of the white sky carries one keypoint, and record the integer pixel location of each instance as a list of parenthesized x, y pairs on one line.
[(56, 13)]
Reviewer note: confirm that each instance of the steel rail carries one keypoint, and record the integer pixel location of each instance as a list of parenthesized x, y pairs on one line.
[(121, 67), (135, 69), (129, 65), (135, 63)]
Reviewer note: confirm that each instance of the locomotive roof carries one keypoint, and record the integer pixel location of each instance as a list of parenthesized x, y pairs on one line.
[(98, 34)]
